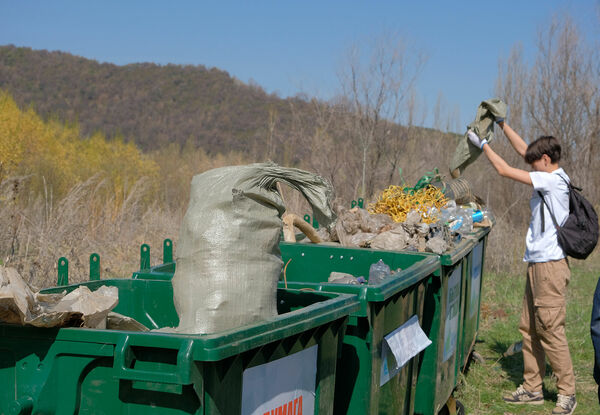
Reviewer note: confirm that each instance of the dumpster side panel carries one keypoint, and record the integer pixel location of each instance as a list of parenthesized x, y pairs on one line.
[(438, 372), (473, 279), (354, 369), (397, 395)]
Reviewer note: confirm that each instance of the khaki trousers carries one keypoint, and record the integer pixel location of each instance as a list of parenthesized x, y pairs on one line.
[(543, 326)]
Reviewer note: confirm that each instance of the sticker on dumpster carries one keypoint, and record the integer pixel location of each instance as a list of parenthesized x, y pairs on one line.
[(475, 278), (452, 312), (400, 346), (283, 386)]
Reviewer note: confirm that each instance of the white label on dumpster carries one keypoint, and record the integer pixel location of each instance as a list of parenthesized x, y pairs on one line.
[(452, 312), (404, 343), (283, 386), (475, 278)]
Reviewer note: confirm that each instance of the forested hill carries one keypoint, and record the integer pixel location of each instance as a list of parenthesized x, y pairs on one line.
[(148, 103)]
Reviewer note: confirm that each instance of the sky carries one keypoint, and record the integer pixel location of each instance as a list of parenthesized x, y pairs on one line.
[(293, 47)]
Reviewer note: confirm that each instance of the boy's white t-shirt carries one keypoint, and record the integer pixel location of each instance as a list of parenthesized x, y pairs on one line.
[(543, 246)]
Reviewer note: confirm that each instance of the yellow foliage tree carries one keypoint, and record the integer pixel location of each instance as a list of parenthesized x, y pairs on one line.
[(56, 157)]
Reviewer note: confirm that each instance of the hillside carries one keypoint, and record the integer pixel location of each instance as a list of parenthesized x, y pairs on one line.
[(147, 103), (171, 111)]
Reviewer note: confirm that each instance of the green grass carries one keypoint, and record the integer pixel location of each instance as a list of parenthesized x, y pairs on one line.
[(483, 384)]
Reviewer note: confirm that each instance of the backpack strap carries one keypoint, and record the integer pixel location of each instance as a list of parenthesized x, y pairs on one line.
[(549, 210), (569, 186)]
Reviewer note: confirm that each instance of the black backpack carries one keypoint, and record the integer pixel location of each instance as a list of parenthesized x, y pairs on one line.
[(579, 234)]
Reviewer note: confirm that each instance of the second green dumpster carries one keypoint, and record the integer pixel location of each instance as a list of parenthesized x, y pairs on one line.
[(365, 383), (452, 316)]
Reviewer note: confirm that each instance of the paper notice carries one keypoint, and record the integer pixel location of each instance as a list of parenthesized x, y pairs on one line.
[(404, 343)]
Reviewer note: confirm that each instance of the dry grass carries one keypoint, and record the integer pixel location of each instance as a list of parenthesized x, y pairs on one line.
[(35, 230)]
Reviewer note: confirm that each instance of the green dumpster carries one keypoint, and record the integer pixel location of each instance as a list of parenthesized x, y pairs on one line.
[(365, 383), (286, 364), (452, 317)]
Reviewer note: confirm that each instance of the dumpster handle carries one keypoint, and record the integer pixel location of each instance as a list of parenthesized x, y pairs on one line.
[(181, 376)]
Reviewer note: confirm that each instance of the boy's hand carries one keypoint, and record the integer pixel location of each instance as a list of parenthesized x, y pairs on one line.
[(475, 140)]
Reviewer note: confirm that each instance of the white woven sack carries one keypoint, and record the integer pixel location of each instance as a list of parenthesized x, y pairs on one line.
[(228, 258)]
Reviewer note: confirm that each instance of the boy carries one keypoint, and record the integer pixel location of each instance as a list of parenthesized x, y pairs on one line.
[(542, 322)]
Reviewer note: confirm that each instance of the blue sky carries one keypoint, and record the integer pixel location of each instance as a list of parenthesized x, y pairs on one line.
[(290, 47)]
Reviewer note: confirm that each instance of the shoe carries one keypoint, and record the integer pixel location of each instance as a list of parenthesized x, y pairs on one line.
[(565, 405), (521, 396)]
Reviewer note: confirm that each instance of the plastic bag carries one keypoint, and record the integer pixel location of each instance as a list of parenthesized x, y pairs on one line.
[(395, 239), (378, 272), (355, 227), (228, 258), (344, 278)]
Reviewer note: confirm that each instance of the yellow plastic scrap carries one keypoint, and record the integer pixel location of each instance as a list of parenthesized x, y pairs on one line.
[(397, 201)]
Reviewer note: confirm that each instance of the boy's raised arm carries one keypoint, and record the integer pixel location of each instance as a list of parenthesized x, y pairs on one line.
[(515, 139), (501, 166)]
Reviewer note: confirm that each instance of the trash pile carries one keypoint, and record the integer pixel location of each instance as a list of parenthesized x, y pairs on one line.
[(421, 219), (79, 308)]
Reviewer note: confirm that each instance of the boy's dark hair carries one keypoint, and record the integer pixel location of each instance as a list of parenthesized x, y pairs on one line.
[(544, 145)]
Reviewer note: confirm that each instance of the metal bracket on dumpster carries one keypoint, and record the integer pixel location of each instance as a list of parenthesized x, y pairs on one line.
[(307, 219), (145, 257), (63, 271), (185, 372), (360, 203), (167, 251), (94, 267)]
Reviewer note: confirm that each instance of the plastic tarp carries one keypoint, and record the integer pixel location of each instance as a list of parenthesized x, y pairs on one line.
[(228, 258), (483, 126)]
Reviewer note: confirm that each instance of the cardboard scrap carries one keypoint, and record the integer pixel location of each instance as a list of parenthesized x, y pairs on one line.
[(80, 308)]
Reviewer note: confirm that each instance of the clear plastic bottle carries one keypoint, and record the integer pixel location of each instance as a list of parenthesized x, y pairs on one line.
[(378, 272), (488, 214), (448, 214), (463, 224)]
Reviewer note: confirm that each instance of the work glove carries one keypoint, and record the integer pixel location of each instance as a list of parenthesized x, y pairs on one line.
[(475, 140)]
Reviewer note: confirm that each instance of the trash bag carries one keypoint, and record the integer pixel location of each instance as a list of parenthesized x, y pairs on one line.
[(395, 239), (483, 126), (228, 258), (357, 226)]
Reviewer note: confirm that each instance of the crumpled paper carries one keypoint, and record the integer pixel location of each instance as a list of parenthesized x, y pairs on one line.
[(356, 227), (79, 308)]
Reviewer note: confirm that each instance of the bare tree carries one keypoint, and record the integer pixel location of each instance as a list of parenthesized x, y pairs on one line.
[(375, 85), (558, 95), (437, 111), (271, 123), (563, 95)]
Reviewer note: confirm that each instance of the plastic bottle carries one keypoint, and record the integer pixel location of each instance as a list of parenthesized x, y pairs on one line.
[(448, 215), (463, 223), (477, 216), (378, 272), (480, 215), (488, 214)]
